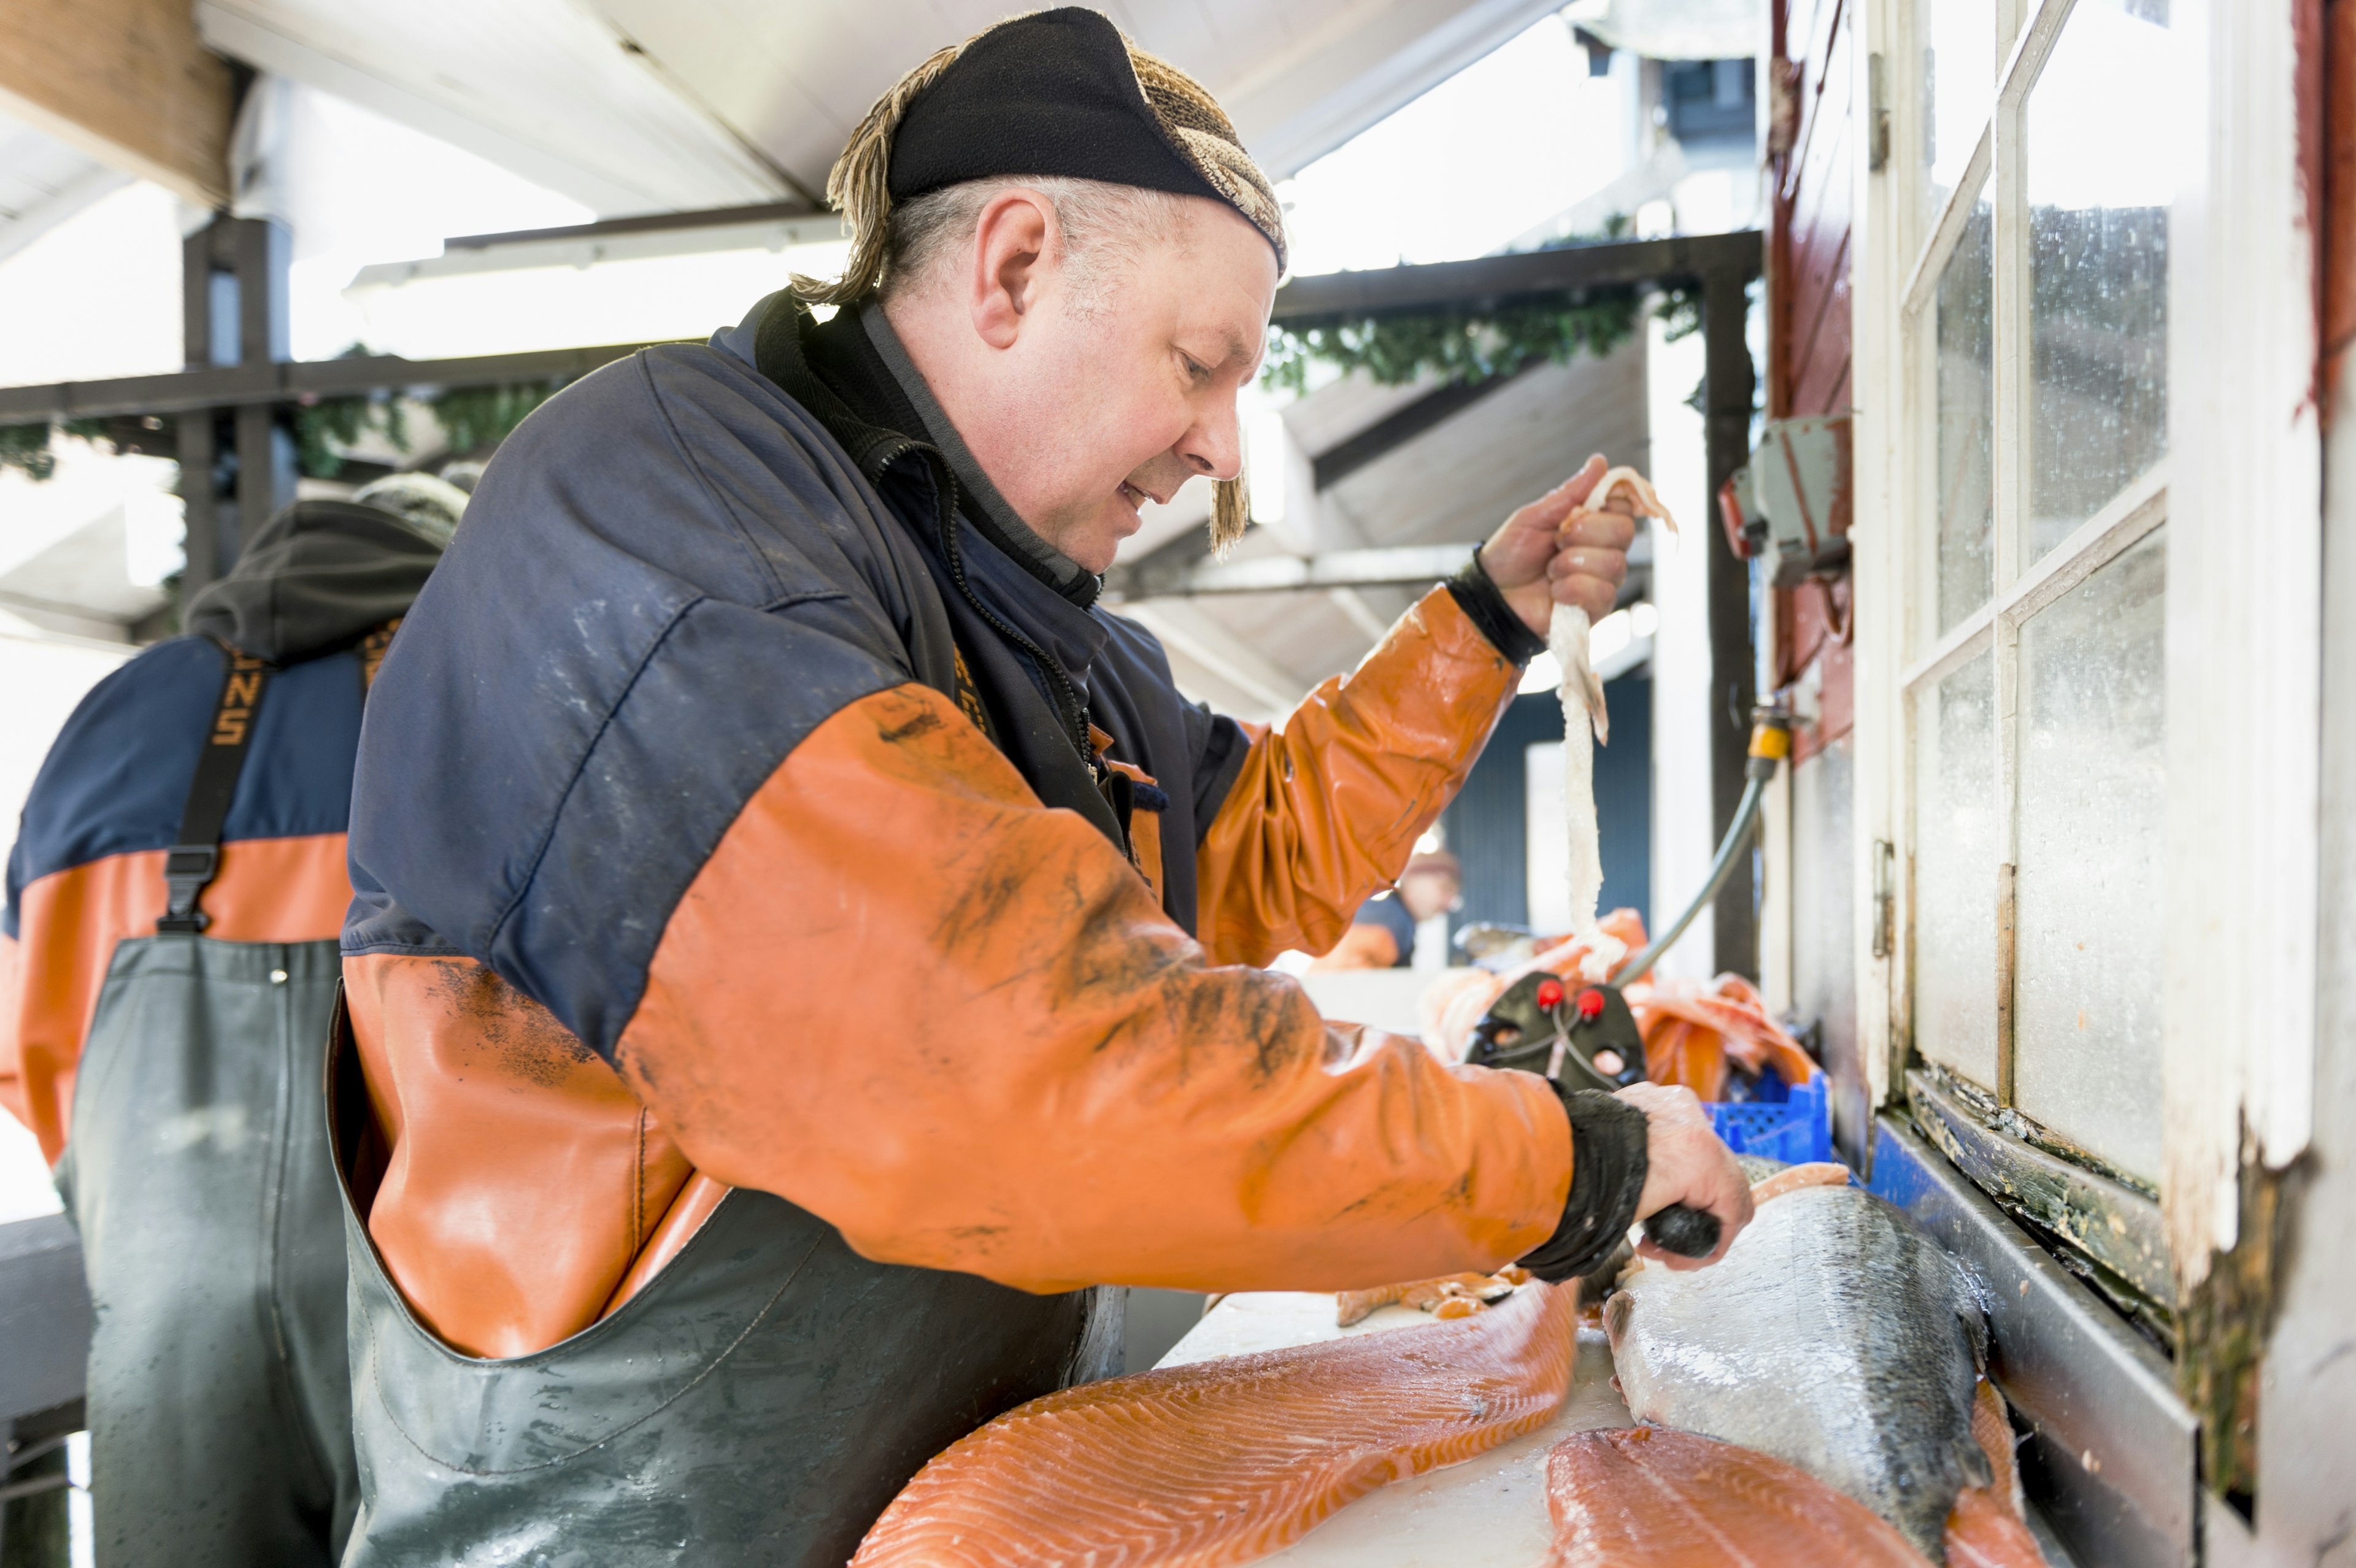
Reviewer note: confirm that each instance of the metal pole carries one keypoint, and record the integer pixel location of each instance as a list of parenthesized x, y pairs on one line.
[(258, 253), (1729, 384), (199, 453)]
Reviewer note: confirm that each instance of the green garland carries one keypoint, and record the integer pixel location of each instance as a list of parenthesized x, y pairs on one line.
[(1458, 343), (26, 447), (473, 418), (1469, 343), (1475, 343)]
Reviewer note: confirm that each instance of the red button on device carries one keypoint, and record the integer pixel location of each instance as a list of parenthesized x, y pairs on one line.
[(1591, 1003), (1549, 994)]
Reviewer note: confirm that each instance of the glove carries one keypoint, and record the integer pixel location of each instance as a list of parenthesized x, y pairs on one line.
[(1609, 1139)]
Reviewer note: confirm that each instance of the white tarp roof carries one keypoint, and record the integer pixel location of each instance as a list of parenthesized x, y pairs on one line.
[(1676, 29), (668, 106)]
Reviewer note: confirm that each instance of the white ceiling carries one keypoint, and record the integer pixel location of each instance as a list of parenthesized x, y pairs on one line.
[(662, 105), (1254, 655), (43, 181)]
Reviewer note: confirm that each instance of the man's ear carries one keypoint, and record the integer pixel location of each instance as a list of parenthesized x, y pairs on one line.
[(1013, 239)]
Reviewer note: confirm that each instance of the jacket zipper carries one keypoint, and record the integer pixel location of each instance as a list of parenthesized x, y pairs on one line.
[(1067, 700)]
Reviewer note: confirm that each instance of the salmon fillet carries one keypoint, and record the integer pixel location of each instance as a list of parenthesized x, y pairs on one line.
[(1821, 1173), (1649, 1496), (1224, 1461)]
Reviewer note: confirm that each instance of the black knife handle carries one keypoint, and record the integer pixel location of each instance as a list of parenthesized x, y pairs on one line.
[(1688, 1232)]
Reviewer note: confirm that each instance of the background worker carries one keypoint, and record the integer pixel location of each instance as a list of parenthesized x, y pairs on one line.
[(1403, 927), (173, 898), (803, 943)]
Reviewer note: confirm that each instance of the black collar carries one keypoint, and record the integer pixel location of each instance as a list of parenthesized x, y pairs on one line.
[(832, 371), (840, 371)]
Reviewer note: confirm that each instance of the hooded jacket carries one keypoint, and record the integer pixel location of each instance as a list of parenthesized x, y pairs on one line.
[(312, 589)]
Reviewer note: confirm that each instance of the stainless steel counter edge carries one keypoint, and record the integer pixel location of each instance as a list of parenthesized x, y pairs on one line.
[(45, 1317), (2111, 1456)]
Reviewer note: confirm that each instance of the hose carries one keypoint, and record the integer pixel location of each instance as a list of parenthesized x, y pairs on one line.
[(1771, 742)]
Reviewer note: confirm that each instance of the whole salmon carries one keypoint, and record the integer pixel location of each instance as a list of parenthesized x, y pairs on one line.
[(1834, 1336)]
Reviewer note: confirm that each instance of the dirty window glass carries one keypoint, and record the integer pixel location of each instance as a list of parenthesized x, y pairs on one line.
[(2093, 784), (1956, 39), (2099, 140), (1955, 871), (1963, 370)]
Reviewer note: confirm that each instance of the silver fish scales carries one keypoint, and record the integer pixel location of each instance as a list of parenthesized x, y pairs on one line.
[(1835, 1336)]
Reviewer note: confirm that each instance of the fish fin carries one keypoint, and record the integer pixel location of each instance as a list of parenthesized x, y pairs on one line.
[(1617, 1311)]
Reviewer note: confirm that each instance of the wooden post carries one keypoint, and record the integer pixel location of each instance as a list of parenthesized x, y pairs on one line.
[(200, 490)]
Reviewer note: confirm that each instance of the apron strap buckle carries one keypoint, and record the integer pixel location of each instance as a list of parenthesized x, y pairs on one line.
[(187, 869)]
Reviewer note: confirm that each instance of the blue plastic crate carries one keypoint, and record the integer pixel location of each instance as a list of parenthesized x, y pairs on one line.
[(1797, 1130)]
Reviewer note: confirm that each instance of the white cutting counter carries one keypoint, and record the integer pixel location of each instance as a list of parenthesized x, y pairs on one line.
[(1488, 1512)]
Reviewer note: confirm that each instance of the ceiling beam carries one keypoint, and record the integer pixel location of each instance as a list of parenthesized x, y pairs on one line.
[(644, 223), (125, 82), (1388, 435), (1216, 646), (1685, 259), (293, 382), (1389, 566), (1418, 565)]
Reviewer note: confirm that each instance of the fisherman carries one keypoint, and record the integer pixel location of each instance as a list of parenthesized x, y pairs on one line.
[(803, 941), (1403, 927), (175, 896)]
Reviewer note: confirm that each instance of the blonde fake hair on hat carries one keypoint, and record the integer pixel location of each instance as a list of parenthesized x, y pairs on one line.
[(1055, 96)]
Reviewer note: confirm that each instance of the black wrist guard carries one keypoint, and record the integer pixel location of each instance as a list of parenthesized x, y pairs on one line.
[(1485, 606), (1608, 1163)]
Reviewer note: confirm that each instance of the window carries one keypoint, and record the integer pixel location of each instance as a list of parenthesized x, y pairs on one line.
[(2035, 498)]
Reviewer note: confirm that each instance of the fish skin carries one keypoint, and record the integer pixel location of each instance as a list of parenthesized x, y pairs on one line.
[(1224, 1461), (1655, 1497), (1835, 1336)]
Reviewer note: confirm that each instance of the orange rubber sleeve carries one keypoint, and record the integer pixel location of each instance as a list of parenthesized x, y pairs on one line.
[(957, 1025), (1328, 808)]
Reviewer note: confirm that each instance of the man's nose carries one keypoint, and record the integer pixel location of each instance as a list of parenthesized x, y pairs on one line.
[(1213, 444)]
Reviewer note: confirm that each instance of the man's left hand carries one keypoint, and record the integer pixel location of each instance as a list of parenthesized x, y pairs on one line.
[(1555, 551)]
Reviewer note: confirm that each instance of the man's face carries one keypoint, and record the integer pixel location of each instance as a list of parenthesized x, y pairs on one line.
[(1127, 397), (1426, 894)]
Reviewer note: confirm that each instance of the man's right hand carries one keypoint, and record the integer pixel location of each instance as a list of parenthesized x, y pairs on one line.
[(1688, 1164)]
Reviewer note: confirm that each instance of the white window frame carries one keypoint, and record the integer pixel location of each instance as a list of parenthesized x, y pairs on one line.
[(2240, 492)]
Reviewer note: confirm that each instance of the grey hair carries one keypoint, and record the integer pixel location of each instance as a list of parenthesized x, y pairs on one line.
[(1105, 227)]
